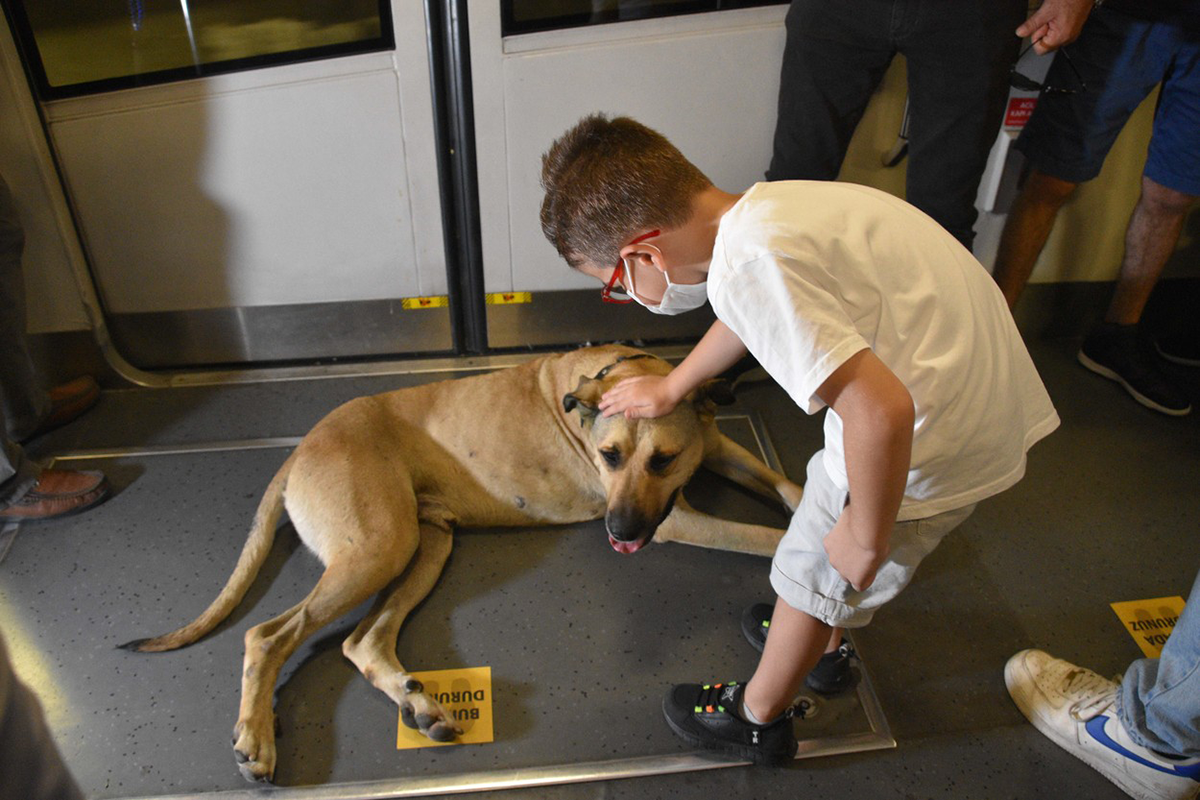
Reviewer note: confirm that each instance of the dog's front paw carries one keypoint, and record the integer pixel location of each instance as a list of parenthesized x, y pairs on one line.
[(421, 712), (254, 750)]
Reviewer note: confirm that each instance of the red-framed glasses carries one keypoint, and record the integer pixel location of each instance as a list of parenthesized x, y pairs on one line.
[(610, 295)]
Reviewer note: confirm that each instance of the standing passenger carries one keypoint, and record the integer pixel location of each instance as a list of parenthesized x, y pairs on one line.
[(1126, 50), (958, 53)]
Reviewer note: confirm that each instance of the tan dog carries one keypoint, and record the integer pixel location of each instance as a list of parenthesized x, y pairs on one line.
[(377, 487)]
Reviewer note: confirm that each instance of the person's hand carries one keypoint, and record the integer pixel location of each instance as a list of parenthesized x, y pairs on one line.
[(642, 397), (1055, 23), (853, 562)]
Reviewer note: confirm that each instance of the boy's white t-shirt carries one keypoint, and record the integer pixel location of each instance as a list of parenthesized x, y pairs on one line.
[(808, 273)]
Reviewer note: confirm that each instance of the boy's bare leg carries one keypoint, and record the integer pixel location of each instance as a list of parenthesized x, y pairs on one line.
[(795, 644), (1150, 239), (1026, 231)]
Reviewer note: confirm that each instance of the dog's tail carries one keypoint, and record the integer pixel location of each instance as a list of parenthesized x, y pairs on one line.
[(254, 553)]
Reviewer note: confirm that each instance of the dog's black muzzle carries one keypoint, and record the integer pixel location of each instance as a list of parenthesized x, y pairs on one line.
[(629, 530)]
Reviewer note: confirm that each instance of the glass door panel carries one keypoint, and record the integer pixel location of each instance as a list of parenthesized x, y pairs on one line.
[(82, 47)]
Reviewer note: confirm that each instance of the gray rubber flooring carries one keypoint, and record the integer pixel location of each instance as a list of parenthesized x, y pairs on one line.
[(583, 642)]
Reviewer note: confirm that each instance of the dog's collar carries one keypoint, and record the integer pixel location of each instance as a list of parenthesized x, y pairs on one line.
[(605, 371)]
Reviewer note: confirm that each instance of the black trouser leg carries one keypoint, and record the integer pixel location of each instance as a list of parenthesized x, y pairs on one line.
[(959, 55), (836, 54)]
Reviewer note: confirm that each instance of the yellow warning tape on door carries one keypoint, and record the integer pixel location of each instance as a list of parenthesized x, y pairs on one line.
[(409, 303), (1150, 622), (508, 298), (442, 301)]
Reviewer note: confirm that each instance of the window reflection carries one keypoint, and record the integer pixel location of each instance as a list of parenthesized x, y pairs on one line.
[(82, 43), (524, 16)]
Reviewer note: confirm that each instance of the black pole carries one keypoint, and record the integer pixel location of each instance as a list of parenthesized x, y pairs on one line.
[(447, 37)]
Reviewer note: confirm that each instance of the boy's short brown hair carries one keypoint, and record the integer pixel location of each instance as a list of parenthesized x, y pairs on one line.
[(606, 180)]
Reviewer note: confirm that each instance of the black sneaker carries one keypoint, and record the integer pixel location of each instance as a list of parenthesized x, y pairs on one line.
[(707, 716), (1113, 351), (1180, 349), (831, 675)]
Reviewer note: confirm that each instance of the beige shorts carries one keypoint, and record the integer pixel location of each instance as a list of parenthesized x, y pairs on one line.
[(802, 575)]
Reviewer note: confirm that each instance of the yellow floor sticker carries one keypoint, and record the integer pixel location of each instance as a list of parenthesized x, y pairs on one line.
[(1150, 622), (465, 693)]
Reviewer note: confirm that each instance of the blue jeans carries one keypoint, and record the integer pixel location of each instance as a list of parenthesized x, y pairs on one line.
[(1158, 701)]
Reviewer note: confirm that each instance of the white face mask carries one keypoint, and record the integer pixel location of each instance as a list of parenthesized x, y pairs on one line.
[(678, 297)]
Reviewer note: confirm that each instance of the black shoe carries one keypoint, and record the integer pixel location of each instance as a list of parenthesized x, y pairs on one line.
[(1180, 349), (708, 717), (756, 621), (1113, 351), (831, 675)]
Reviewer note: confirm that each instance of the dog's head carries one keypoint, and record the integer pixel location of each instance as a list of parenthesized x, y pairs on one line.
[(643, 463)]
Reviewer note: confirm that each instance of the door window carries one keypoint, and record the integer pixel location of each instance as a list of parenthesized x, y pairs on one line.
[(76, 47), (526, 16)]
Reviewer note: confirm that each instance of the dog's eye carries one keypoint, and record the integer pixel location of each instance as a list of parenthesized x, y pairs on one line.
[(660, 461), (611, 457)]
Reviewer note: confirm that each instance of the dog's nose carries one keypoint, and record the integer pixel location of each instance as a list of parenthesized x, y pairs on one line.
[(624, 525)]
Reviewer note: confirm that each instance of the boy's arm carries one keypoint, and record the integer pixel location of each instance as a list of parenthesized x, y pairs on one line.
[(878, 416), (654, 395)]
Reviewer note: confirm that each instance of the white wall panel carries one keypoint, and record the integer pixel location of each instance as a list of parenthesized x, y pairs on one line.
[(708, 82), (280, 194)]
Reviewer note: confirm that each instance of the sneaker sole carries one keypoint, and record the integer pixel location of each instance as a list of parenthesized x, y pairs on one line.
[(1186, 362), (1048, 730), (101, 500), (741, 751), (1105, 372), (830, 689)]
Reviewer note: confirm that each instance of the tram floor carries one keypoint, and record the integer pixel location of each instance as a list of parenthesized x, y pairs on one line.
[(582, 642)]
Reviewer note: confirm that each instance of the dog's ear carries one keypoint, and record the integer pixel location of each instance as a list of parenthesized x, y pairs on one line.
[(586, 398), (708, 395)]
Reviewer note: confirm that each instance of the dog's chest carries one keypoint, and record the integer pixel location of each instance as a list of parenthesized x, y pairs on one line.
[(523, 488)]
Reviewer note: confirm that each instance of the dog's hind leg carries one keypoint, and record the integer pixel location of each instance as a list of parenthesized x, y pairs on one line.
[(345, 583), (372, 646)]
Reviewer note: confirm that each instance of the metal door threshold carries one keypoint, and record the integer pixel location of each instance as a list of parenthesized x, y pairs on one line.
[(496, 780), (433, 365)]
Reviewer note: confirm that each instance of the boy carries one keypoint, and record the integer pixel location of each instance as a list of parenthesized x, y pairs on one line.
[(850, 299)]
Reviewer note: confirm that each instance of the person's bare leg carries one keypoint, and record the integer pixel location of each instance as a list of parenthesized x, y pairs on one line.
[(1026, 230), (1150, 239), (795, 644)]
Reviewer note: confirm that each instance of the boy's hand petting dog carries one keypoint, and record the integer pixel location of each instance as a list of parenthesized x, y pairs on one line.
[(854, 562), (643, 397)]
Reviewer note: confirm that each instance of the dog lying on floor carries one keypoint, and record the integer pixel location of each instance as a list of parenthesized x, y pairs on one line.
[(377, 487)]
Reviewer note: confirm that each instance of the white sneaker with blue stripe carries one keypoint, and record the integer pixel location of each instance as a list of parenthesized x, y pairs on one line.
[(1074, 707)]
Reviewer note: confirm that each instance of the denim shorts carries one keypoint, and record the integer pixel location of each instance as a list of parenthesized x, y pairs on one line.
[(802, 575), (1121, 59)]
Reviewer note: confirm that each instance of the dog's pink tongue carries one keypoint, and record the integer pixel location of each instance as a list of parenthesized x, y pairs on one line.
[(624, 547)]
